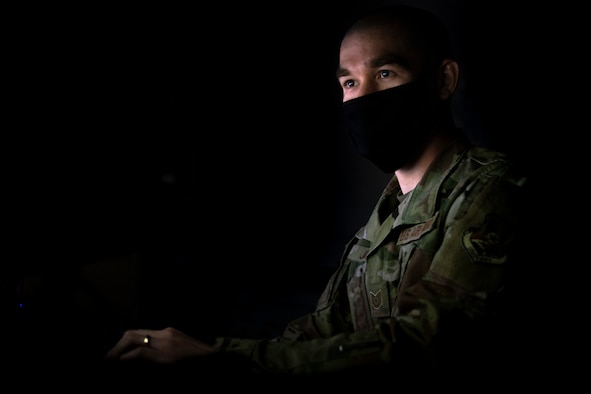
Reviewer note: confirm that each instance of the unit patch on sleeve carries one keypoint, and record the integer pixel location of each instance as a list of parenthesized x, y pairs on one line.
[(488, 243)]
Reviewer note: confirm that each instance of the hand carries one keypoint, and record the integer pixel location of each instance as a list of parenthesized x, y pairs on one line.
[(165, 346)]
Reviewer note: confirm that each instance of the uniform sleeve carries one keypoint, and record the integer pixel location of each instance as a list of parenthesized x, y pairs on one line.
[(320, 342), (319, 355), (323, 342)]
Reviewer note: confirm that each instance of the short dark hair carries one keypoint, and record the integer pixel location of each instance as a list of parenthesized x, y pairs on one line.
[(425, 30)]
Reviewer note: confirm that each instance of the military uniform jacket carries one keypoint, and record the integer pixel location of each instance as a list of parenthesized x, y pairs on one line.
[(418, 282)]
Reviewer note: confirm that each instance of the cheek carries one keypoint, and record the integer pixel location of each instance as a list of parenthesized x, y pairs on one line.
[(349, 95)]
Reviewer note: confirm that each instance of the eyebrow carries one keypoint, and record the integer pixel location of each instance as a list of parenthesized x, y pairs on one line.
[(389, 58)]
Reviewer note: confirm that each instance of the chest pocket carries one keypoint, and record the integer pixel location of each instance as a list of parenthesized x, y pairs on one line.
[(356, 291), (385, 269), (373, 285)]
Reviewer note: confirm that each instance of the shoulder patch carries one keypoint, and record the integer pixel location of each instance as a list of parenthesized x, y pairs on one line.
[(487, 244)]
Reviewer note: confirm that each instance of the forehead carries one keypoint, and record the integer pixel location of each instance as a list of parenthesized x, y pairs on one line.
[(364, 46)]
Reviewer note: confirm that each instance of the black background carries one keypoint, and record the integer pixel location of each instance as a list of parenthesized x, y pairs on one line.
[(197, 147)]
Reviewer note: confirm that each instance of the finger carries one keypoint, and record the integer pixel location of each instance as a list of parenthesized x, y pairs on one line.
[(141, 337), (130, 340), (139, 352)]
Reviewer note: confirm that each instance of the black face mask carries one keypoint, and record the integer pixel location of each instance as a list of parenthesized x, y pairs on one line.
[(390, 127)]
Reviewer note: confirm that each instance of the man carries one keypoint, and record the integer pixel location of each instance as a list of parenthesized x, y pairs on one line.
[(424, 287)]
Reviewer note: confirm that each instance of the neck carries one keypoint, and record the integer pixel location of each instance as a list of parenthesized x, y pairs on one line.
[(410, 175)]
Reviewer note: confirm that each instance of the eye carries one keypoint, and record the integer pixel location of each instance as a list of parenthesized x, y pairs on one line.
[(348, 83), (385, 74)]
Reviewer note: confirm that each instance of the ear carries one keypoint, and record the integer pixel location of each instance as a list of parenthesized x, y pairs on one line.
[(449, 78)]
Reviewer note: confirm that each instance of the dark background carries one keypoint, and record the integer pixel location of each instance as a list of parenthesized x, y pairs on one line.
[(183, 166)]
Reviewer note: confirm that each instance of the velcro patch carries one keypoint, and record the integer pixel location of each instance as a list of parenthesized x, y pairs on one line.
[(376, 299), (486, 244), (415, 232)]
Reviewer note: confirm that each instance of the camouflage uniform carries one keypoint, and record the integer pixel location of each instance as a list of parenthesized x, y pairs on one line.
[(426, 271)]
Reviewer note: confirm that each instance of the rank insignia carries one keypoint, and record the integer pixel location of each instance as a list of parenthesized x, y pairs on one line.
[(376, 299)]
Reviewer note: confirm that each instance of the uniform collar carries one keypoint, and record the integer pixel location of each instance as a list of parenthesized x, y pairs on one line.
[(392, 210)]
